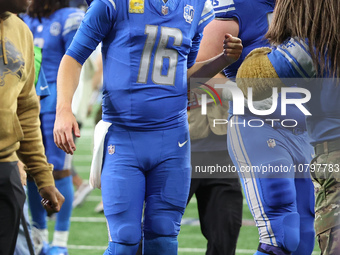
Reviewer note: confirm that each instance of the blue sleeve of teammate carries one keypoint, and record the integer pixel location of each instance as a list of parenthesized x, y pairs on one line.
[(96, 24), (281, 65), (194, 49), (292, 60), (207, 16), (42, 88), (224, 8), (71, 25)]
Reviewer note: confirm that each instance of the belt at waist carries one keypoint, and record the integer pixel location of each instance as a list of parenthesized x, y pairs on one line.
[(327, 147)]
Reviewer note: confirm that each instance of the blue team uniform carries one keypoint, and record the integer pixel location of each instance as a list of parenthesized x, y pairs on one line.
[(41, 87), (292, 60), (147, 47), (54, 35), (295, 61), (282, 205)]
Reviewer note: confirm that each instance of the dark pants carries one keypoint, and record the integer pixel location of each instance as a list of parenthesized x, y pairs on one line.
[(219, 202), (12, 199)]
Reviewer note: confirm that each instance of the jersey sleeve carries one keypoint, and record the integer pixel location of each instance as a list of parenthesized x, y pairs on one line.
[(70, 27), (224, 9), (206, 16), (97, 23), (194, 49), (292, 60)]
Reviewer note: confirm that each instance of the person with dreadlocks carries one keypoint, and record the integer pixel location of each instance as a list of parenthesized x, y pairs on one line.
[(306, 35), (53, 25), (276, 200)]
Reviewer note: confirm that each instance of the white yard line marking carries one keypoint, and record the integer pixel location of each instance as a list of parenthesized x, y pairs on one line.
[(82, 158), (85, 247), (88, 219), (94, 198), (185, 221), (83, 169)]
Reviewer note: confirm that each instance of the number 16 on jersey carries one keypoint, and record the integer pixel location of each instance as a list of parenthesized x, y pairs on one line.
[(162, 52)]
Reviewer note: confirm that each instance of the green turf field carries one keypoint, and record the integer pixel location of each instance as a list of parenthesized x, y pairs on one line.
[(88, 233)]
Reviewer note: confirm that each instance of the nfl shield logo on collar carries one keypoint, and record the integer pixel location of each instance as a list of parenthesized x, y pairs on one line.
[(271, 143), (165, 10), (188, 13), (111, 149)]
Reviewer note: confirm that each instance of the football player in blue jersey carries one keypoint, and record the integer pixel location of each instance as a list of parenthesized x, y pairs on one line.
[(53, 26), (282, 205), (306, 34), (144, 149)]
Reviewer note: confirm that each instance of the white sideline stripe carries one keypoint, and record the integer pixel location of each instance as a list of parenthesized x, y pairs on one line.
[(184, 250)]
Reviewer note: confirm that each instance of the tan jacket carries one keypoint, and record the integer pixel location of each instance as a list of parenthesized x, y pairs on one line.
[(200, 125), (19, 106)]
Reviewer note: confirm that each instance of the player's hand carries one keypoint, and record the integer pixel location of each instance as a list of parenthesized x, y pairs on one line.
[(52, 199), (232, 47), (65, 123)]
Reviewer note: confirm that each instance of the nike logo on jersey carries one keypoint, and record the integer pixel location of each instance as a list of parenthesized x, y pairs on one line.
[(43, 88), (182, 144)]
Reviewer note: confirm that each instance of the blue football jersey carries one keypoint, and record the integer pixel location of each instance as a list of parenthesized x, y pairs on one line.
[(53, 35), (253, 16), (42, 87), (147, 47), (292, 60)]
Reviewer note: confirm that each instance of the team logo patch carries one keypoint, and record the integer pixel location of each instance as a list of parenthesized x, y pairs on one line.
[(136, 6), (189, 13), (165, 10), (40, 28), (55, 29), (271, 143), (15, 65), (111, 149)]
